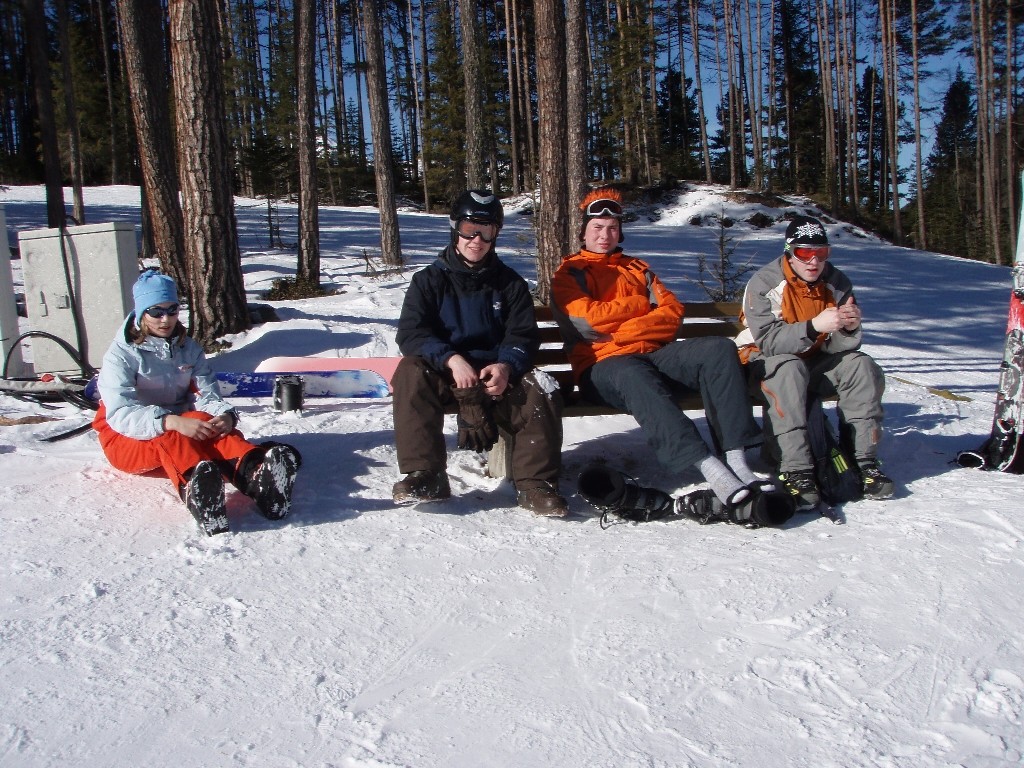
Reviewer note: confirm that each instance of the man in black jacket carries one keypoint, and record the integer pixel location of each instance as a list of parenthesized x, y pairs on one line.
[(468, 336)]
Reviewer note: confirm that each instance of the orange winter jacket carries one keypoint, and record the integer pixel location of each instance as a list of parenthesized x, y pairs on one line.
[(609, 305)]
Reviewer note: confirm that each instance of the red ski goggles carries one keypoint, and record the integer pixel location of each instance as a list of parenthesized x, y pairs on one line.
[(808, 253)]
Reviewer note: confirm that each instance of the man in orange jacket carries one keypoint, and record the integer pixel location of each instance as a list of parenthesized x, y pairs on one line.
[(619, 323)]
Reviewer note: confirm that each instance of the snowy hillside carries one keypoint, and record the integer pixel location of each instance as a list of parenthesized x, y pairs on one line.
[(471, 634)]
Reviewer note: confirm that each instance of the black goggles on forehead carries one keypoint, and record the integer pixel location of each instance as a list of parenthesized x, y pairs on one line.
[(600, 209)]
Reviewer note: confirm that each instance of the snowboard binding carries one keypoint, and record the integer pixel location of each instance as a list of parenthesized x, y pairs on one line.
[(614, 493)]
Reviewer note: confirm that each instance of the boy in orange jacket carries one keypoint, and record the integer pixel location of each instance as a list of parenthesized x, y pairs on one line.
[(619, 323)]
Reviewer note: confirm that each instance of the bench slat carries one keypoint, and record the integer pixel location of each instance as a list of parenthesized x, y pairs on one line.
[(549, 333), (696, 309)]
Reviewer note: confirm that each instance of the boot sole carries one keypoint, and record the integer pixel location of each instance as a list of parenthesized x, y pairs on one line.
[(275, 480), (204, 496)]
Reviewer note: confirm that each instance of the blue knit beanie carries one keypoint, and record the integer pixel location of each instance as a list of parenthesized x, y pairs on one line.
[(151, 289)]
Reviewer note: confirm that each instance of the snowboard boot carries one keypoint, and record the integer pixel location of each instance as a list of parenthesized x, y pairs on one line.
[(802, 488), (876, 484), (203, 494), (543, 500), (423, 485), (268, 477), (268, 444), (754, 511), (617, 494)]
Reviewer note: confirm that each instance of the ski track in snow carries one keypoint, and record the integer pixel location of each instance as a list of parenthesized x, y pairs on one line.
[(468, 633)]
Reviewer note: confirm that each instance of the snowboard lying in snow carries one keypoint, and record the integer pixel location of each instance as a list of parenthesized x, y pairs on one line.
[(385, 366), (349, 383)]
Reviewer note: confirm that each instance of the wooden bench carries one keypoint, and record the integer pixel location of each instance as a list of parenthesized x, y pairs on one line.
[(702, 318)]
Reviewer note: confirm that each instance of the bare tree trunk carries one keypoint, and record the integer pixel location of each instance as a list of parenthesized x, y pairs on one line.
[(326, 69), (412, 76), (337, 55), (735, 109), (705, 148), (425, 59), (115, 151), (828, 111), (992, 131), (629, 155), (71, 116), (980, 137), (526, 108), (576, 111), (887, 12), (922, 240), (788, 97), (473, 80), (34, 18), (652, 125), (142, 46), (849, 100), (870, 150), (358, 59), (513, 101), (754, 84), (984, 73), (380, 126), (244, 109), (308, 273), (332, 45), (553, 240), (773, 130), (211, 244), (1009, 90)]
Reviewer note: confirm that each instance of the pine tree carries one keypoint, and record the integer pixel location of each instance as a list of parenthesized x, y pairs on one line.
[(800, 158), (445, 131), (949, 191), (680, 127)]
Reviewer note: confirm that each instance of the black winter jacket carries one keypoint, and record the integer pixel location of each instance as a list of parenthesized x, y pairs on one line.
[(484, 314)]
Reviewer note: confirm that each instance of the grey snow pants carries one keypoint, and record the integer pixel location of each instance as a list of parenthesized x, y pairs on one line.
[(785, 381)]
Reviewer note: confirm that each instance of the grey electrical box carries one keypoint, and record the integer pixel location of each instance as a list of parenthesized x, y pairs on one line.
[(77, 288), (9, 307)]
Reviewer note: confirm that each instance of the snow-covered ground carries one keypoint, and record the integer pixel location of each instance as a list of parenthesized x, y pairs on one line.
[(472, 634)]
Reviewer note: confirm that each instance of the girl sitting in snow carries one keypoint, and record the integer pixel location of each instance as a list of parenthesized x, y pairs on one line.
[(160, 407)]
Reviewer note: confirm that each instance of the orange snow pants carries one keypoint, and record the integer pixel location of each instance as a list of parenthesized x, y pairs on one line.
[(171, 451)]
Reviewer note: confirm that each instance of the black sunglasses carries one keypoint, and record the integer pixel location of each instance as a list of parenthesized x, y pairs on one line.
[(159, 312)]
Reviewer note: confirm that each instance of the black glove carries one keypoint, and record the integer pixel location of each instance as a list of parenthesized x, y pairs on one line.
[(476, 425)]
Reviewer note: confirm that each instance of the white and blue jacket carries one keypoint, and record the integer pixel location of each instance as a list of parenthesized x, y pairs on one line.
[(139, 384)]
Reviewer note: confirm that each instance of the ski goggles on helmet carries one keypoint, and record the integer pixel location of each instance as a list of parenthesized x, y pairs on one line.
[(158, 313), (807, 253), (600, 209), (467, 229)]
